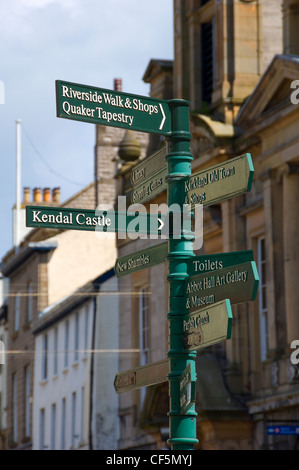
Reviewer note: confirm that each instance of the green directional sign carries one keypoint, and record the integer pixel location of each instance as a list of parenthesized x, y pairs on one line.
[(207, 326), (187, 388), (142, 376), (141, 259), (223, 181), (150, 187), (148, 178), (238, 283), (112, 108), (205, 263), (148, 167), (93, 220)]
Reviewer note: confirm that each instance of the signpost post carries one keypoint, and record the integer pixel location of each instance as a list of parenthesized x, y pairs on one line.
[(201, 288), (182, 427)]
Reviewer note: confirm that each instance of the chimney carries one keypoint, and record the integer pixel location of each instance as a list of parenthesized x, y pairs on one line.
[(37, 195), (56, 195), (26, 197), (46, 195), (117, 84)]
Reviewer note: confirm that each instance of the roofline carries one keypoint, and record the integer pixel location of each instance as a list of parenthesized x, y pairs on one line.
[(294, 59), (24, 254)]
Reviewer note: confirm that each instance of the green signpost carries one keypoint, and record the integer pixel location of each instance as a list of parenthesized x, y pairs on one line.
[(207, 326), (150, 187), (205, 263), (112, 108), (142, 376), (148, 167), (148, 178), (94, 220), (187, 387), (145, 258), (238, 283), (182, 427), (220, 182), (201, 288)]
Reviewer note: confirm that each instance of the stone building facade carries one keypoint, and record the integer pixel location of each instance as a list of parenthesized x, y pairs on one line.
[(47, 266), (236, 62)]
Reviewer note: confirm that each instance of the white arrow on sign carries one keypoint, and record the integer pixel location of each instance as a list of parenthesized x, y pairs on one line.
[(161, 224), (163, 118)]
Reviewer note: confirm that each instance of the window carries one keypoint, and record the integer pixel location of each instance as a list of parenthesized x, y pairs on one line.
[(143, 333), (53, 425), (74, 406), (66, 343), (86, 318), (63, 418), (1, 417), (42, 429), (15, 408), (55, 352), (144, 327), (82, 414), (17, 311), (2, 353), (29, 302), (45, 357), (263, 309), (207, 53), (27, 401), (76, 337)]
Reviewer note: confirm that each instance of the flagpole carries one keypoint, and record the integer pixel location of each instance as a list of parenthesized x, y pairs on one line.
[(18, 185)]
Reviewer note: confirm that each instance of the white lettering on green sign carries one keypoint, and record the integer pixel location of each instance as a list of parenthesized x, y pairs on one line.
[(80, 219)]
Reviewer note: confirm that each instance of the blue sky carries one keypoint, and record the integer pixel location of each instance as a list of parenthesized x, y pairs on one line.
[(81, 41)]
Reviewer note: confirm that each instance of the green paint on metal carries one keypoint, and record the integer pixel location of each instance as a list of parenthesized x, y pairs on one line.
[(141, 259), (94, 220), (223, 181), (112, 108), (238, 283), (208, 326), (182, 427)]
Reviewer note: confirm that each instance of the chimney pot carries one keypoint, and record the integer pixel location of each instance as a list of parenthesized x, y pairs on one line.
[(56, 195), (46, 195), (118, 84), (37, 194), (26, 197)]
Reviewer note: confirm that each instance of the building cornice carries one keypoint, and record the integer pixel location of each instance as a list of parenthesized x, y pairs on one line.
[(25, 253)]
